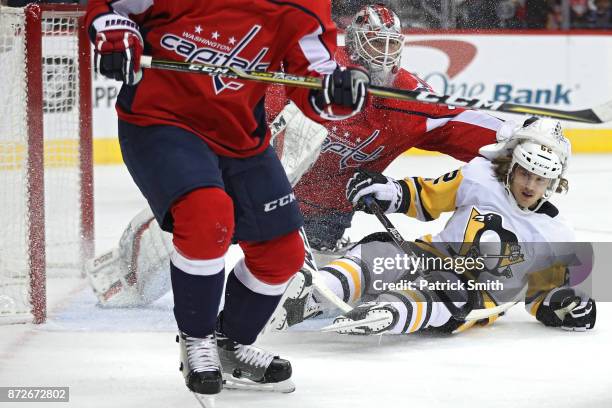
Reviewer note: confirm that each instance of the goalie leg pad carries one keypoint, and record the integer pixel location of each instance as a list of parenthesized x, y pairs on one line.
[(113, 285), (136, 273), (299, 146)]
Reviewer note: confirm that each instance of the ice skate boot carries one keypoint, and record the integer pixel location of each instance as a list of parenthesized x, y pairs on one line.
[(200, 363), (246, 367)]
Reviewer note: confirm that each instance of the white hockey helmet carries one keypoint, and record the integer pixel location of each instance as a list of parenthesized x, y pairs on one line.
[(374, 40), (543, 150)]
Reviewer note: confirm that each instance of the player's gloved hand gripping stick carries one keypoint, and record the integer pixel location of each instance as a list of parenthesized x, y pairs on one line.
[(599, 114)]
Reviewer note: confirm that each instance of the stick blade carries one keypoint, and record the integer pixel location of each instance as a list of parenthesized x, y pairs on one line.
[(604, 112)]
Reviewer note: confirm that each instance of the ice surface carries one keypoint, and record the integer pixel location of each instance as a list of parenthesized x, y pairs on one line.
[(128, 358)]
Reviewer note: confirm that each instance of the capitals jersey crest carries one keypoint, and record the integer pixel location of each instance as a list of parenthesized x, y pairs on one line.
[(352, 151), (195, 47)]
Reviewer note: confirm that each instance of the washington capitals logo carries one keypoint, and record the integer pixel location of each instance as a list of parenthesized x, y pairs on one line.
[(215, 52), (356, 154)]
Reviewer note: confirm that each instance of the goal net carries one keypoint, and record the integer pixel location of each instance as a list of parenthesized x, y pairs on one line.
[(46, 200)]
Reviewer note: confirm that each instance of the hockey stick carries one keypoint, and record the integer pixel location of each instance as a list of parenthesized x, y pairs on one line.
[(322, 289), (466, 312), (600, 114)]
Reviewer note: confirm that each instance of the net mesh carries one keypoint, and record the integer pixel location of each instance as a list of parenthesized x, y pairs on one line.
[(60, 73)]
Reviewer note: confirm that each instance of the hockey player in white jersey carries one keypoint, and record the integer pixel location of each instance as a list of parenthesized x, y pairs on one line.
[(502, 216)]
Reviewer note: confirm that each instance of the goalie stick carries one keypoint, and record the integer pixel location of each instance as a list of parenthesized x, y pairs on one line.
[(599, 114), (466, 312)]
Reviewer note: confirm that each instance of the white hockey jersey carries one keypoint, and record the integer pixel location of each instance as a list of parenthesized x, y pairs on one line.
[(522, 251)]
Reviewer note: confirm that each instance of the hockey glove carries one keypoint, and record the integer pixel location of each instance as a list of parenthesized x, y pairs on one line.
[(345, 87), (567, 308), (117, 50), (391, 195)]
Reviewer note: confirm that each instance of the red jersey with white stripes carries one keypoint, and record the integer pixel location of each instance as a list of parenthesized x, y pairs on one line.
[(381, 132), (249, 34)]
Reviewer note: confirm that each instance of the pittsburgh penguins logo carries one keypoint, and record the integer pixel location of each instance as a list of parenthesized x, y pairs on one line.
[(486, 237)]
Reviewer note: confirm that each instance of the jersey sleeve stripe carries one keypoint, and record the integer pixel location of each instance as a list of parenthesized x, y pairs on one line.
[(432, 124), (413, 112), (127, 7), (479, 119), (424, 211), (316, 53), (414, 210)]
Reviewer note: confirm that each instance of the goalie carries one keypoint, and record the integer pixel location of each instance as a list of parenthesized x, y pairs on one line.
[(502, 214)]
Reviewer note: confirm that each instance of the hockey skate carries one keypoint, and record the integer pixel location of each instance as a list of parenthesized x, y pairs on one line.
[(200, 364), (324, 255), (297, 303), (367, 318), (246, 367)]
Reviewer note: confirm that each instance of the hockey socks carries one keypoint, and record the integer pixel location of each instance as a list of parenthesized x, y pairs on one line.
[(345, 278), (196, 300), (249, 303)]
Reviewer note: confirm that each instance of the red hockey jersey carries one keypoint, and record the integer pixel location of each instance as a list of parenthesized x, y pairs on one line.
[(381, 132), (248, 34)]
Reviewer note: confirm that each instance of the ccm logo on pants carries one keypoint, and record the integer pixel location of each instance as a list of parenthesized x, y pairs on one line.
[(280, 202)]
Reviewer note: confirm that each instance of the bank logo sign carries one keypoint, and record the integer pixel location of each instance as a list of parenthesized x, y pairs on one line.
[(495, 86)]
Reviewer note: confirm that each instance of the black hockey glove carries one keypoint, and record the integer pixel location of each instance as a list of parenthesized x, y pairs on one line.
[(346, 87), (117, 51), (569, 309), (391, 195)]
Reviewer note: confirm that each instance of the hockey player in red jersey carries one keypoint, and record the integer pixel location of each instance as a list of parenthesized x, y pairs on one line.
[(198, 149), (383, 130), (370, 140)]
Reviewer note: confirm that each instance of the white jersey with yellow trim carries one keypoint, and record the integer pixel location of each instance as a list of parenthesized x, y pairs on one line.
[(487, 223)]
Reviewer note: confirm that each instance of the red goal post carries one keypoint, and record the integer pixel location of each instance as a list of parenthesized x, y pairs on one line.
[(46, 167)]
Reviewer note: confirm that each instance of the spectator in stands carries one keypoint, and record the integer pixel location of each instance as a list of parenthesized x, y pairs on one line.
[(512, 14), (537, 12), (482, 14), (601, 16), (580, 10)]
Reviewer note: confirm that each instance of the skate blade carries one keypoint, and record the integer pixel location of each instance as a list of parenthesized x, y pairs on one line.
[(363, 326), (243, 384), (206, 401)]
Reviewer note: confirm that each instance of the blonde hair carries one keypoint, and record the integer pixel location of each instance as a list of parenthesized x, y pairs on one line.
[(501, 167)]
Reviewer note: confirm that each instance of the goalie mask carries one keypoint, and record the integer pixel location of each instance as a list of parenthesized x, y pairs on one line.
[(543, 151), (374, 40)]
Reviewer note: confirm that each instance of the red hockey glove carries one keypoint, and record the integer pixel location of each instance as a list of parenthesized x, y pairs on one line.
[(118, 50)]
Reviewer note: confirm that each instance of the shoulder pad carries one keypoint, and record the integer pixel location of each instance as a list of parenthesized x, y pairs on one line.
[(548, 209)]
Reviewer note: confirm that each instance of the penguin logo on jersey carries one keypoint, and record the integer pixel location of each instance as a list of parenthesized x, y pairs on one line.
[(486, 237)]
